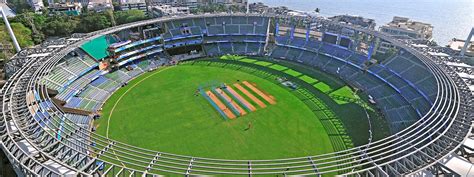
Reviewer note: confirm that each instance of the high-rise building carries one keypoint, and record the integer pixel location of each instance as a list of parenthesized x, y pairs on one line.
[(355, 20), (36, 5), (404, 28), (401, 26), (458, 44), (99, 5), (197, 2)]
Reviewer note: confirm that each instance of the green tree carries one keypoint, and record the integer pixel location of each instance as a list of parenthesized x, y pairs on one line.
[(20, 6), (60, 26), (47, 25), (236, 8), (211, 8), (45, 3), (23, 34), (93, 22), (122, 17), (33, 21), (116, 6), (111, 16)]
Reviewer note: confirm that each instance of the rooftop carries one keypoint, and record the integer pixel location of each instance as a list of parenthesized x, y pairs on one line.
[(406, 23), (355, 20), (9, 12), (405, 26), (458, 44)]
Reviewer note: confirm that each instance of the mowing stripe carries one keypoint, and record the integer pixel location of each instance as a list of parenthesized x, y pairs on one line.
[(213, 103), (242, 100), (269, 98), (221, 105), (121, 96), (277, 67), (116, 103), (255, 99), (225, 101), (231, 101), (247, 60)]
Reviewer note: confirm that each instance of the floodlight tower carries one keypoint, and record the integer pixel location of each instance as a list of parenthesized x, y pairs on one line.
[(467, 42), (10, 31), (247, 7)]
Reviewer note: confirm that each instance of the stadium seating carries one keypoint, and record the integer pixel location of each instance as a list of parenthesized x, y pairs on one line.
[(40, 139), (78, 85), (410, 69), (239, 35), (240, 48), (93, 88), (70, 68), (80, 120), (398, 76), (212, 49), (406, 98), (105, 84)]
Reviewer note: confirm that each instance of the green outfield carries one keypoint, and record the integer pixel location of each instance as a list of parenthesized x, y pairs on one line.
[(161, 111)]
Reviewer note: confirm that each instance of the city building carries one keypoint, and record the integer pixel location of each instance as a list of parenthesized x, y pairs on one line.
[(258, 7), (404, 28), (195, 3), (227, 2), (99, 5), (8, 12), (65, 8), (401, 26), (189, 3), (131, 1), (36, 5), (355, 20), (458, 44), (136, 5), (278, 10), (166, 10)]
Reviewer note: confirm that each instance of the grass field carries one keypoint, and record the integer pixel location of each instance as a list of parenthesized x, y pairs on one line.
[(327, 89), (159, 111), (308, 79)]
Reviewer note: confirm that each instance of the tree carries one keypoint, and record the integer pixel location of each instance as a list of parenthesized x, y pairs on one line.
[(212, 8), (316, 10), (45, 3), (111, 16), (116, 6), (33, 21), (236, 8), (92, 22), (23, 34), (47, 25), (20, 6), (129, 16), (60, 26)]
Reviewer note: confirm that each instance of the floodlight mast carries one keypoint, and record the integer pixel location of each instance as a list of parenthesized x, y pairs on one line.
[(247, 7), (10, 31), (466, 43)]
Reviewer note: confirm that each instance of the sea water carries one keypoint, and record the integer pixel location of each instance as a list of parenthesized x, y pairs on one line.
[(450, 18)]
